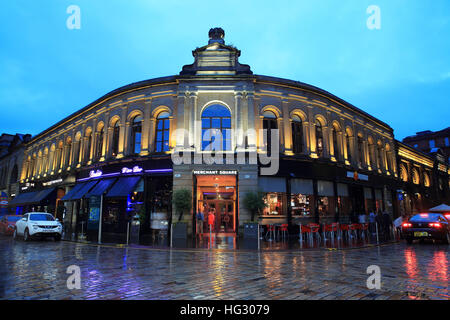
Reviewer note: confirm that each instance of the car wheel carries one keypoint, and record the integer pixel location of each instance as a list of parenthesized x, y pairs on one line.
[(15, 234), (409, 240), (58, 237), (26, 235)]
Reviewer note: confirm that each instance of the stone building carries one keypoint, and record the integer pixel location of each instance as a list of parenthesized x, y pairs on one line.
[(11, 159), (428, 141), (124, 154)]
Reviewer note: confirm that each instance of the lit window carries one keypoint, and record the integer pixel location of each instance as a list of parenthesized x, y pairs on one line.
[(136, 132), (297, 134), (432, 143), (162, 132), (216, 123), (447, 142)]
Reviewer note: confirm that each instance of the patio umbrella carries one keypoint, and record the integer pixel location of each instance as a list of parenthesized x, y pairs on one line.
[(440, 208)]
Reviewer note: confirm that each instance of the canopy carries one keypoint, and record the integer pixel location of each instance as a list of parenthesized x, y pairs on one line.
[(69, 195), (101, 187), (440, 208), (123, 187), (31, 197)]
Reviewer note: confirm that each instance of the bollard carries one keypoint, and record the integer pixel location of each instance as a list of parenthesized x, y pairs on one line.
[(376, 228), (171, 234), (128, 233), (300, 233), (259, 237)]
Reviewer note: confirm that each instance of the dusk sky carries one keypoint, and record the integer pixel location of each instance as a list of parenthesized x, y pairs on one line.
[(400, 73)]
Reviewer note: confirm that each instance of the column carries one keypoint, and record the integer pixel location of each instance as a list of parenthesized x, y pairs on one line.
[(145, 139), (123, 137), (238, 142), (252, 141)]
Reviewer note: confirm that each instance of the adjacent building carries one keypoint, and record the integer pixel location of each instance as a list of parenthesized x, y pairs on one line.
[(123, 155), (429, 141)]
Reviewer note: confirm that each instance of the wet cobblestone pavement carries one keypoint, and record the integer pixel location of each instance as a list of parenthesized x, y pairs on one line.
[(37, 270)]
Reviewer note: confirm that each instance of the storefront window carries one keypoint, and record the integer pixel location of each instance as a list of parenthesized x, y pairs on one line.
[(325, 201), (369, 201), (275, 202), (344, 202), (302, 205)]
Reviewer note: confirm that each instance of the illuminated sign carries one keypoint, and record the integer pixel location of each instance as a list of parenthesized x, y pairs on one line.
[(93, 174), (49, 183), (357, 176), (136, 169), (215, 172)]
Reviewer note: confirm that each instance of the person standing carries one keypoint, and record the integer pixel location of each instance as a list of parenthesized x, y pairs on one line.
[(387, 222), (211, 220), (200, 220), (398, 226), (372, 217)]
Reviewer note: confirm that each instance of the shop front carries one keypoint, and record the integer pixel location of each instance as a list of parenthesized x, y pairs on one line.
[(216, 194)]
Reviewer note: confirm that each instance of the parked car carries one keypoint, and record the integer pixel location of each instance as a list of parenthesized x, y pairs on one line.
[(7, 223), (38, 224), (427, 226)]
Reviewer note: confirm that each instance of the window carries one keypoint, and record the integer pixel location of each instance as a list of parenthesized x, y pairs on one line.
[(319, 138), (115, 138), (347, 146), (99, 148), (447, 143), (87, 154), (335, 143), (162, 132), (380, 157), (274, 202), (297, 134), (136, 132), (360, 151), (432, 143), (216, 124)]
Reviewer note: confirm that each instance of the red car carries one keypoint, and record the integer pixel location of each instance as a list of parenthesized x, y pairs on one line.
[(7, 224)]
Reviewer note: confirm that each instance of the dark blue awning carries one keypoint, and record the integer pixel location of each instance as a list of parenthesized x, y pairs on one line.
[(123, 187), (22, 198), (84, 189), (101, 187), (31, 197), (69, 195)]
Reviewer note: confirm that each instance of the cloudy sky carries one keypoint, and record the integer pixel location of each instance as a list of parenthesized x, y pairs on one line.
[(399, 73)]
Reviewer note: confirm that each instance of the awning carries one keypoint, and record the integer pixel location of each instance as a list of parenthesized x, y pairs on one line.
[(84, 189), (440, 208), (101, 187), (123, 187), (31, 197), (69, 195), (22, 198)]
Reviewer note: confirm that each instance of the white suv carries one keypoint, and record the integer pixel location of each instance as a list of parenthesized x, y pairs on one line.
[(38, 224)]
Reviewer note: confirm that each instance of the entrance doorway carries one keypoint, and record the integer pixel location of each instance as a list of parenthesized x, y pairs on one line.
[(216, 194)]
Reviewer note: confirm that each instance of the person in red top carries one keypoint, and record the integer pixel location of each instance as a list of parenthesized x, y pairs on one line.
[(211, 219)]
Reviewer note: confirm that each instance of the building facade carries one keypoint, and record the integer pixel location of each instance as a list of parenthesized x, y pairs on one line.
[(209, 130), (11, 159), (427, 141)]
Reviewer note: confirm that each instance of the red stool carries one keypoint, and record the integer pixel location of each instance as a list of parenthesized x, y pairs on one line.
[(270, 232), (284, 229), (314, 230), (303, 229)]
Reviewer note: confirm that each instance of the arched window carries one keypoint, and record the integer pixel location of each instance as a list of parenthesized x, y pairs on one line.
[(76, 150), (216, 124), (380, 156), (297, 134), (348, 146), (360, 143), (426, 179), (87, 153), (319, 138), (99, 147), (136, 132), (388, 158), (415, 176), (334, 133), (162, 132), (403, 173), (115, 139)]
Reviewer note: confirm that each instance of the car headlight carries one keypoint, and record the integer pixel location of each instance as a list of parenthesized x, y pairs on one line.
[(35, 226)]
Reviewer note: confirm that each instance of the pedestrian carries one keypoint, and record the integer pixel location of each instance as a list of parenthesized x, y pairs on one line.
[(200, 220), (372, 216), (362, 218), (226, 220), (211, 220), (387, 223), (398, 225), (379, 223)]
